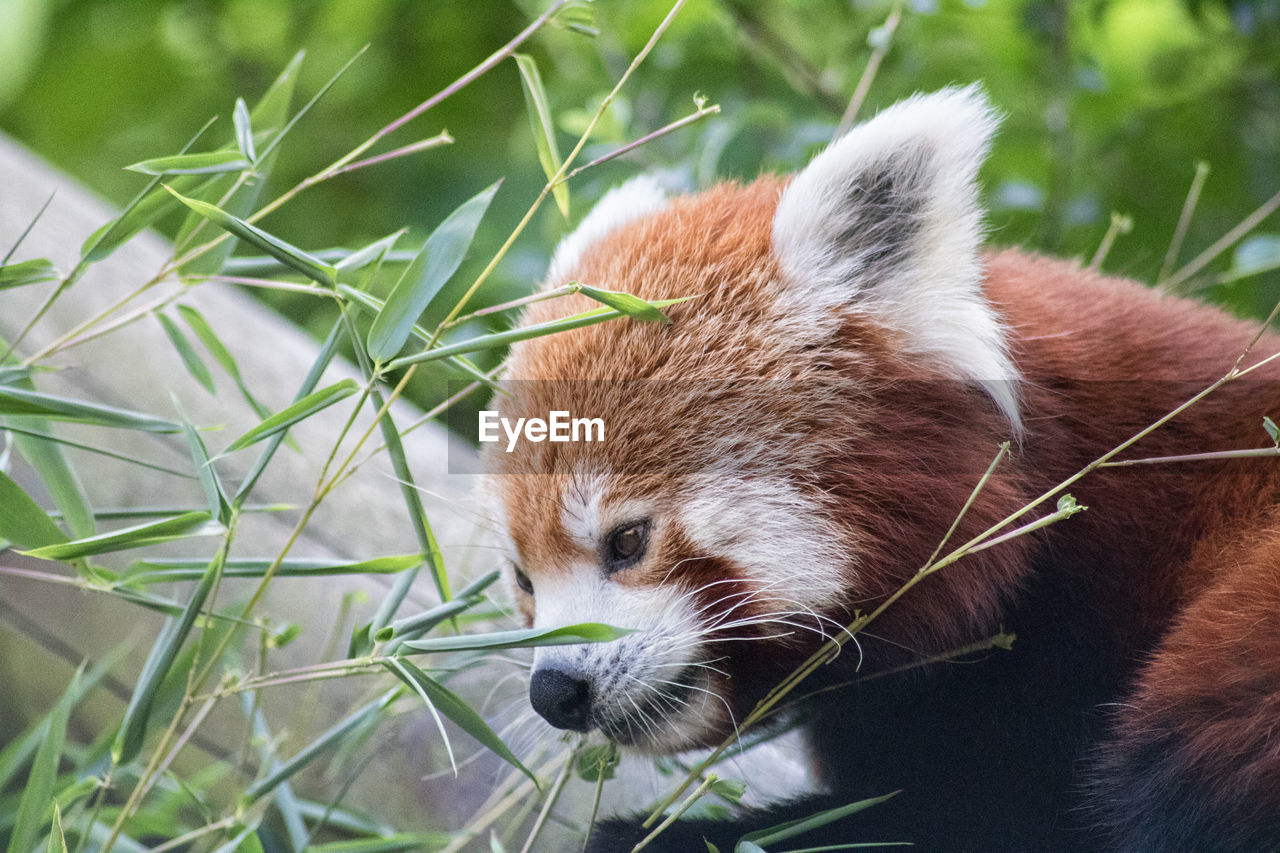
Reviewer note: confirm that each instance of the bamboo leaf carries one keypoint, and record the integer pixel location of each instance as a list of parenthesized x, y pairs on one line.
[(290, 255), (26, 272), (330, 739), (20, 401), (22, 521), (323, 358), (272, 110), (244, 130), (145, 208), (205, 163), (417, 517), (539, 330), (133, 730), (585, 632), (166, 571), (792, 828), (37, 794), (190, 358), (299, 411), (214, 494), (439, 259), (400, 843), (57, 838), (463, 716), (79, 516), (544, 130), (375, 251), (40, 447), (178, 527), (416, 626), (222, 355), (369, 303), (632, 306), (27, 230)]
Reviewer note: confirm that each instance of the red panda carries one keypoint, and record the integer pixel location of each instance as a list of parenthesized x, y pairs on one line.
[(793, 447)]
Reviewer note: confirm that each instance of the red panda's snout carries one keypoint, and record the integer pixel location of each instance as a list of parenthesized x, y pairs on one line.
[(653, 689), (718, 583)]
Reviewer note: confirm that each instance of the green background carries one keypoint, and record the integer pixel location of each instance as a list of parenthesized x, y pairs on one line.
[(1109, 105)]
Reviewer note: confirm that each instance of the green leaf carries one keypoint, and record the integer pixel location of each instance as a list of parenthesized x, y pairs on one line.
[(26, 272), (417, 625), (323, 358), (792, 828), (448, 703), (586, 632), (495, 843), (290, 255), (166, 571), (57, 838), (244, 130), (632, 306), (22, 521), (400, 843), (369, 303), (299, 411), (728, 789), (190, 358), (78, 515), (544, 131), (417, 517), (206, 163), (439, 259), (19, 401), (146, 207), (37, 793), (40, 447), (214, 494), (222, 355), (361, 258), (272, 110), (330, 739), (138, 536), (13, 247), (133, 730), (539, 330), (596, 762), (1272, 430)]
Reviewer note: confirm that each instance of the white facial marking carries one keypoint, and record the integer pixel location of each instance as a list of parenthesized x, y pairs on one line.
[(887, 219), (622, 204), (580, 507), (634, 678), (774, 533)]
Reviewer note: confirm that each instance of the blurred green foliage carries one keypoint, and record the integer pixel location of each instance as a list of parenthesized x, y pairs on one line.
[(1109, 105)]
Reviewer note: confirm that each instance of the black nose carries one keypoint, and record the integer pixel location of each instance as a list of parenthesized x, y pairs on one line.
[(563, 700)]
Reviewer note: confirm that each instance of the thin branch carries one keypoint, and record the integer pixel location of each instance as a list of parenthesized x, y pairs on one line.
[(884, 39), (1184, 220)]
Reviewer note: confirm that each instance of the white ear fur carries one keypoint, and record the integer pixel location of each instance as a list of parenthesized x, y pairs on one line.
[(887, 219), (617, 207)]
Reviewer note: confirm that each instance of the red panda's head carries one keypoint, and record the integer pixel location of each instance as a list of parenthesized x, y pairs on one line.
[(788, 449)]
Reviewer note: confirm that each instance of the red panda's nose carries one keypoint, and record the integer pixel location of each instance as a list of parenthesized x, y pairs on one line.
[(561, 699)]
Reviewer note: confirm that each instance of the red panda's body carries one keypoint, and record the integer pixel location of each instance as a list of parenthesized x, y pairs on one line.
[(794, 446)]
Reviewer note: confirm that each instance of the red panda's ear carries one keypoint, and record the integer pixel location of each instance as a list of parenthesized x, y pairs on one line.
[(887, 219), (622, 204)]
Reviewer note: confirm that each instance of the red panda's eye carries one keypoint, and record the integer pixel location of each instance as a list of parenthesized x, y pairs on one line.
[(626, 545), (522, 581)]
